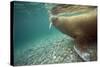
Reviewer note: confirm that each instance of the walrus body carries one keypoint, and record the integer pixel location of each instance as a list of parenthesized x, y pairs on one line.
[(81, 27)]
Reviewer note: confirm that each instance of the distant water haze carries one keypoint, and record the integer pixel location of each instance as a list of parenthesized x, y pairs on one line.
[(31, 21)]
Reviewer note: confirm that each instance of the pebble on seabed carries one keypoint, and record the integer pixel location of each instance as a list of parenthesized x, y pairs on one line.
[(54, 52), (54, 57)]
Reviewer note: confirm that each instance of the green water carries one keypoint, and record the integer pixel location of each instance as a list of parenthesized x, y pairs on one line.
[(34, 42), (30, 22)]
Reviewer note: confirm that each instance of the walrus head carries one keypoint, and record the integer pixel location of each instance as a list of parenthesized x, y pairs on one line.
[(75, 19)]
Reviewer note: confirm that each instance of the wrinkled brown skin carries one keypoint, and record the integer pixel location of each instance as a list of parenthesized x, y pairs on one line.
[(83, 28)]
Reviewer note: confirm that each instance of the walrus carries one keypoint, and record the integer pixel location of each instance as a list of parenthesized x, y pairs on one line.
[(77, 21)]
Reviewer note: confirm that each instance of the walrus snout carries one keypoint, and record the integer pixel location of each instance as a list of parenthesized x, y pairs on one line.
[(55, 21)]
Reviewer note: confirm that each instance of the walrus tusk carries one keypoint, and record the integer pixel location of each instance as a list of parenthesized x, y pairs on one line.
[(50, 25), (50, 22)]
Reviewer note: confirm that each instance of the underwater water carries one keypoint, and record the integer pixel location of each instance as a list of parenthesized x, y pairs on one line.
[(34, 42)]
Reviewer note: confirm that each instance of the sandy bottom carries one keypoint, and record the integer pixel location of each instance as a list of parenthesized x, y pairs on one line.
[(51, 49)]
